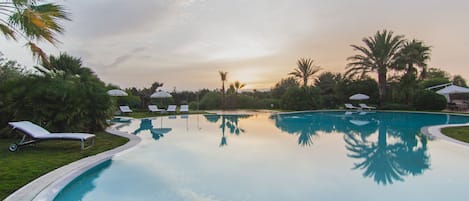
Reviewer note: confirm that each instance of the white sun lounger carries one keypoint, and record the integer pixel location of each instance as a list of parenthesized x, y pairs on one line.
[(125, 109), (364, 106), (37, 133), (154, 108), (171, 108), (350, 106), (184, 108)]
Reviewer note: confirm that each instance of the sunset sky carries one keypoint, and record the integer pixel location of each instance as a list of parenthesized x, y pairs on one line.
[(184, 43)]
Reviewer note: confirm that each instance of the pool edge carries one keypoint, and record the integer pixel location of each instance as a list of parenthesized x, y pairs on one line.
[(435, 132), (46, 187)]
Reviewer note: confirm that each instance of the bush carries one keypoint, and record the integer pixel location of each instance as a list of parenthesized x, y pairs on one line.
[(211, 100), (131, 101), (296, 98), (396, 106), (72, 104), (429, 100)]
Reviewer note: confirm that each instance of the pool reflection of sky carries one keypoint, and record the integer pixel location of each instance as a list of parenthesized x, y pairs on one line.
[(301, 156)]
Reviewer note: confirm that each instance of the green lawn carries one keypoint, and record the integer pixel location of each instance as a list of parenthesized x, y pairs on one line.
[(459, 133), (30, 162)]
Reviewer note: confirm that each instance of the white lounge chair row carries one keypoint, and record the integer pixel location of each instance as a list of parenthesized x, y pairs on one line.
[(154, 108), (171, 108), (362, 106)]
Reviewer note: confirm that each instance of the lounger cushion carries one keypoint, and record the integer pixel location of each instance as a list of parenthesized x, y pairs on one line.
[(38, 132), (31, 129)]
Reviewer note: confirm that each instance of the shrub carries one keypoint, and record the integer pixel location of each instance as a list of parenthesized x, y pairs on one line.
[(296, 98), (396, 106), (429, 100), (211, 100), (64, 104)]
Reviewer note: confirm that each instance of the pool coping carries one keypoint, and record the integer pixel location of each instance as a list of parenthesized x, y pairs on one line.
[(46, 187), (435, 132)]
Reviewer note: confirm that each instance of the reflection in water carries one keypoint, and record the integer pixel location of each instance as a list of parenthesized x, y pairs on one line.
[(227, 121), (398, 150), (156, 133), (83, 184)]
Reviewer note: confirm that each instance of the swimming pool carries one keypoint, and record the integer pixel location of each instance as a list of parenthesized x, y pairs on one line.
[(296, 156)]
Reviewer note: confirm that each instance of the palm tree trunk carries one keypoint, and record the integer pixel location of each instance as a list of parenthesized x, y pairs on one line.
[(223, 95), (382, 85)]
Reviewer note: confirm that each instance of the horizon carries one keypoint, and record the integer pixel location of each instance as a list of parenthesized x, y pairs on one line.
[(183, 44)]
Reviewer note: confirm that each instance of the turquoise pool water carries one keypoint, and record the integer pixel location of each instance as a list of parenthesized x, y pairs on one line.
[(300, 156)]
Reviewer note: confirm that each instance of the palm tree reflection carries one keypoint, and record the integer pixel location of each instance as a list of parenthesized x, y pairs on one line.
[(156, 133), (400, 150), (397, 151), (227, 121)]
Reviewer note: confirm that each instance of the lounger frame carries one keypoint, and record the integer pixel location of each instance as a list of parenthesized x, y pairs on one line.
[(27, 139)]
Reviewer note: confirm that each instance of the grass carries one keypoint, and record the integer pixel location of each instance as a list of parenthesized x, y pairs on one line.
[(458, 133), (30, 162)]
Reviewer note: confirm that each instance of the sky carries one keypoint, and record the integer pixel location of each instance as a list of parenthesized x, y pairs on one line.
[(185, 43)]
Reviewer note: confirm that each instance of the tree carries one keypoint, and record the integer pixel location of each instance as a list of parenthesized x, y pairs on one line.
[(414, 54), (327, 83), (281, 87), (437, 73), (238, 85), (459, 80), (223, 77), (305, 70), (32, 21), (378, 55)]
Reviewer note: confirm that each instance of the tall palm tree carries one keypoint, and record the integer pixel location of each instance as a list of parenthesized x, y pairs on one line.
[(32, 21), (414, 54), (378, 55), (223, 77), (305, 70)]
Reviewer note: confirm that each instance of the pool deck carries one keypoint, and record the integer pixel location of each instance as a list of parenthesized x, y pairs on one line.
[(46, 187)]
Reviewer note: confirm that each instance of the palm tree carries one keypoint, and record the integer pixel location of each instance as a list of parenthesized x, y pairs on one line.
[(305, 69), (32, 21), (238, 85), (414, 53), (223, 77), (378, 54)]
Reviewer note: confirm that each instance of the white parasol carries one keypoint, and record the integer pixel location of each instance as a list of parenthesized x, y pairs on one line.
[(359, 97)]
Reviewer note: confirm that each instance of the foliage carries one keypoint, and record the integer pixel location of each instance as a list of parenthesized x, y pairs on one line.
[(62, 100), (413, 54), (130, 100), (305, 70), (429, 100), (143, 94), (281, 87), (459, 80), (10, 69), (223, 78), (396, 106), (378, 55), (433, 82), (32, 21), (327, 83), (434, 73), (211, 101), (296, 98), (348, 87)]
